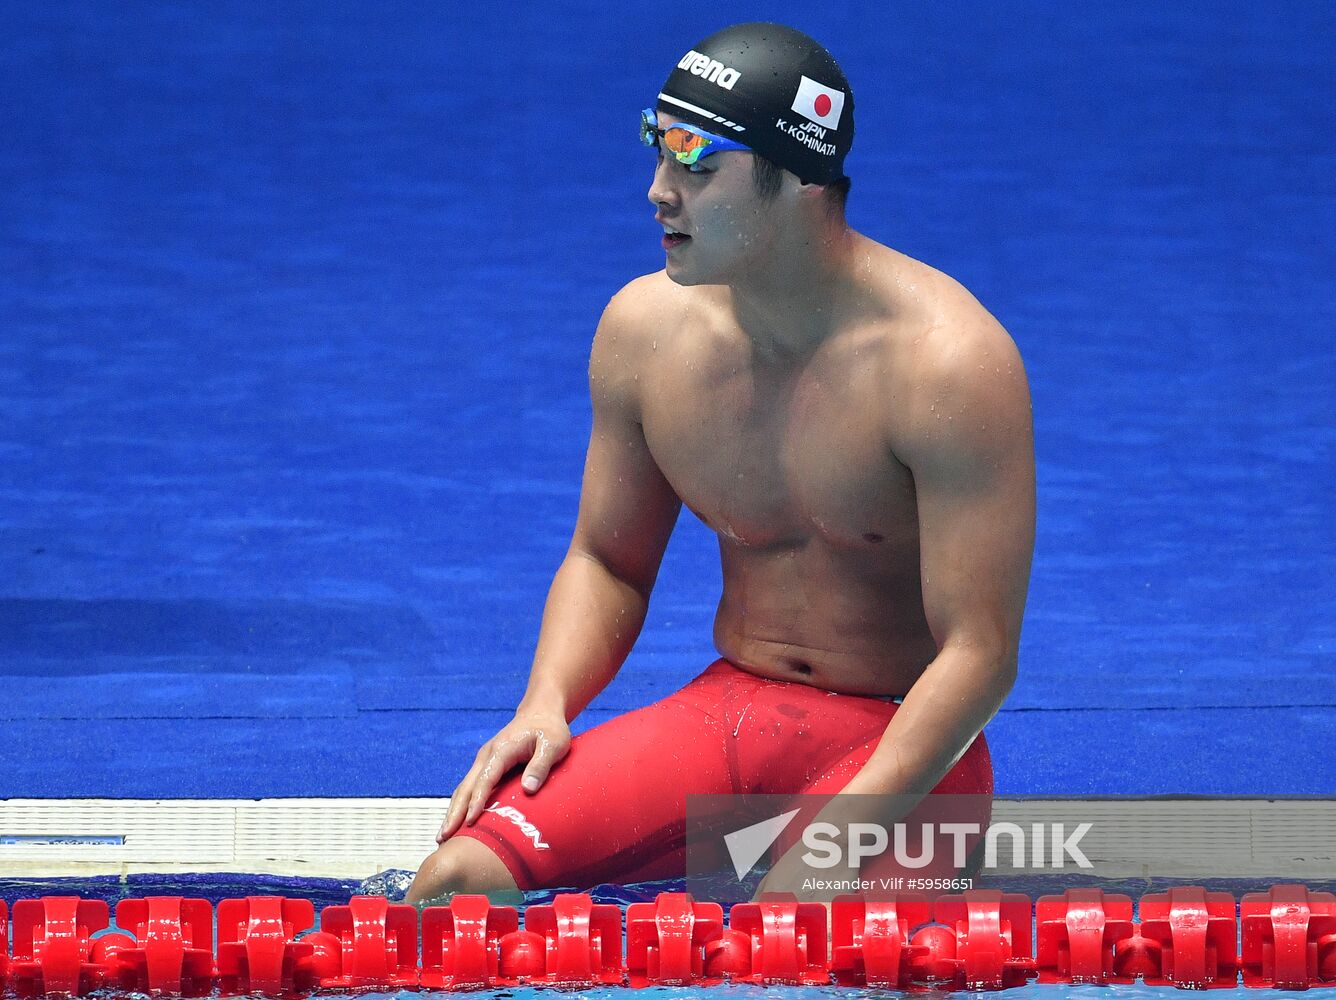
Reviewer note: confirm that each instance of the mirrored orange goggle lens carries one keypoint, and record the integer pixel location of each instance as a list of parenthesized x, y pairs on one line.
[(682, 143)]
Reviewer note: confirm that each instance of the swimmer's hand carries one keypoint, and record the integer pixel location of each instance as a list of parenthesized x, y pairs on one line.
[(541, 740)]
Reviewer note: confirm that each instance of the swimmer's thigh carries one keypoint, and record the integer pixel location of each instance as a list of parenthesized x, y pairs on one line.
[(613, 810), (963, 796), (971, 775)]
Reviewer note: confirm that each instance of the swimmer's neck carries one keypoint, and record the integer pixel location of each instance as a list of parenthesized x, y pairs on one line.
[(796, 299)]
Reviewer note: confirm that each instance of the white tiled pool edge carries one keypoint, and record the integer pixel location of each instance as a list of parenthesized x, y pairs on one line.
[(335, 838), (355, 838)]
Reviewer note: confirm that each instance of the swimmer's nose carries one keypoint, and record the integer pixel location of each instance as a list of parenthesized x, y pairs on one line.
[(662, 192)]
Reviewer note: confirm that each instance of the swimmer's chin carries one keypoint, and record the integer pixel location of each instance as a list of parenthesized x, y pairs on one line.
[(689, 280)]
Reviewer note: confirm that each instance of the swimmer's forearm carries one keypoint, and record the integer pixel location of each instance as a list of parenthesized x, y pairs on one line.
[(590, 622), (944, 711)]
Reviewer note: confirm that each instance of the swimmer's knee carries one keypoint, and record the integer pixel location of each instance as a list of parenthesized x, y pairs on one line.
[(461, 864)]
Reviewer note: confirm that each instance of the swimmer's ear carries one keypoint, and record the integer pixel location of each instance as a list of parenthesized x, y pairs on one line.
[(808, 190)]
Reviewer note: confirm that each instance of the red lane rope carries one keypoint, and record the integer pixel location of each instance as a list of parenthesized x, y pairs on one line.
[(979, 940)]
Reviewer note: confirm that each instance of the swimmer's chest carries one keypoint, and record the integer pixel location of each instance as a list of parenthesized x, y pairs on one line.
[(774, 460)]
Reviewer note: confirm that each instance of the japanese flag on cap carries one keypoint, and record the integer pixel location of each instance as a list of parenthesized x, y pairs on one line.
[(819, 103)]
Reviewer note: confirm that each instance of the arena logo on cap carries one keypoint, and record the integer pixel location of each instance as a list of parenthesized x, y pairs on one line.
[(818, 103), (711, 69)]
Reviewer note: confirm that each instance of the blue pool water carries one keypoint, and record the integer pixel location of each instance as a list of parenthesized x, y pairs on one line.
[(296, 313)]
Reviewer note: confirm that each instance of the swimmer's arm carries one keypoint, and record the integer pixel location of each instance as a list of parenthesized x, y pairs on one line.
[(597, 603), (970, 448)]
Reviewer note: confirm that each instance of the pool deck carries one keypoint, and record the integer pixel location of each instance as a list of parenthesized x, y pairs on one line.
[(355, 837)]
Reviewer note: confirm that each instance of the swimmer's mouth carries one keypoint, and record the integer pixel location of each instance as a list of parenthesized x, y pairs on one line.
[(672, 238)]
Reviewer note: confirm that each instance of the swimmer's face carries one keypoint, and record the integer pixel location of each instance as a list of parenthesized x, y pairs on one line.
[(715, 202)]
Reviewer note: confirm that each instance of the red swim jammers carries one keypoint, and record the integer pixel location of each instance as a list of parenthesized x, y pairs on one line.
[(614, 810)]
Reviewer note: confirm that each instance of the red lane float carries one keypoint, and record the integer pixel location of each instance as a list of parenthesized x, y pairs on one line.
[(774, 941), (258, 950), (53, 946), (1187, 937), (1136, 957), (582, 939), (461, 943), (1289, 938), (167, 947), (1197, 937), (992, 939), (375, 944), (523, 957), (1075, 936), (934, 955), (666, 940), (870, 942)]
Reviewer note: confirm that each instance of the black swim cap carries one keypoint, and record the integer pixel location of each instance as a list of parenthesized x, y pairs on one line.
[(771, 88)]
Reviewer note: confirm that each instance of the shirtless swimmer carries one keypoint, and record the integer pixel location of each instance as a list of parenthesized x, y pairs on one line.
[(856, 429)]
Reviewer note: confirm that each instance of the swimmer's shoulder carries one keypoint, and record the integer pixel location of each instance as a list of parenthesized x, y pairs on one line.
[(646, 313), (949, 333), (649, 304), (954, 353), (643, 312)]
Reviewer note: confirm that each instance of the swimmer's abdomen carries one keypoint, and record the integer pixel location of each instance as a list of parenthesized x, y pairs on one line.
[(816, 614)]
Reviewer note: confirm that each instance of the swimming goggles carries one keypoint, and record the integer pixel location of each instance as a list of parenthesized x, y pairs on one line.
[(686, 143)]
